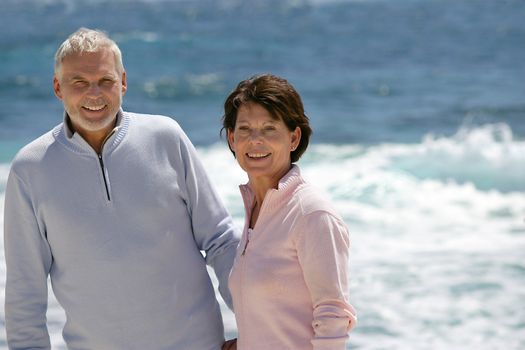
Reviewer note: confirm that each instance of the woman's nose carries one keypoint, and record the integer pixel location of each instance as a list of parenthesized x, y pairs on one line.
[(255, 136)]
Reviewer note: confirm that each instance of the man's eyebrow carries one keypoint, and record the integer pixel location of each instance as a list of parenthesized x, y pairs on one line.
[(76, 77), (80, 77)]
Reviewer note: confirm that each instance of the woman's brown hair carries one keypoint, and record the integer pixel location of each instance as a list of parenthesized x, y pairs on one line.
[(278, 97)]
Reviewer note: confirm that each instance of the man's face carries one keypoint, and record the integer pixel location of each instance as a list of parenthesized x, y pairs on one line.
[(91, 88)]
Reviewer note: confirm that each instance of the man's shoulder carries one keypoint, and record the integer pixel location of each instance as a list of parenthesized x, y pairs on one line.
[(37, 148), (33, 154), (163, 129), (153, 121)]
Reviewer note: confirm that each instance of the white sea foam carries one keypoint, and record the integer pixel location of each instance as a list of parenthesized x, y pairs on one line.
[(434, 243), (437, 250), (149, 37), (169, 87)]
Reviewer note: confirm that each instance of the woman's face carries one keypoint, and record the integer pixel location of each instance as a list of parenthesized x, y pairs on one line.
[(262, 144)]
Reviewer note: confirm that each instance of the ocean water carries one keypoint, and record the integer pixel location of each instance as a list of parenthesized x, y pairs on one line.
[(418, 114)]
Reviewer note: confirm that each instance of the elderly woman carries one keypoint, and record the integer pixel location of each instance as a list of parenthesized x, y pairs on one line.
[(290, 278)]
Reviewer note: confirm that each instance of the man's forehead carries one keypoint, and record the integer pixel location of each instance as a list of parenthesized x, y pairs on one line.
[(86, 56), (89, 62)]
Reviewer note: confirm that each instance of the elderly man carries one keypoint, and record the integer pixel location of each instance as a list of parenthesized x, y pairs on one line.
[(115, 208)]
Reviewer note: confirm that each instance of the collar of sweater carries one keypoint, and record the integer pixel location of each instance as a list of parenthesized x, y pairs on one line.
[(75, 143), (274, 197)]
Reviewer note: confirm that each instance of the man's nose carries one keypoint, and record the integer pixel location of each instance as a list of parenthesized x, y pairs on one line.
[(94, 89)]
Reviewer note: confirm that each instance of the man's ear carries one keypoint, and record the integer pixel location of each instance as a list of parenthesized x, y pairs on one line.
[(56, 88), (124, 83)]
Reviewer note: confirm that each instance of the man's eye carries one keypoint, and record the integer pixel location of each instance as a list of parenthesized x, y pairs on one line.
[(80, 83)]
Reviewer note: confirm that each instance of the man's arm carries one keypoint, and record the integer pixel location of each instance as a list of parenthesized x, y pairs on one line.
[(213, 226), (28, 261)]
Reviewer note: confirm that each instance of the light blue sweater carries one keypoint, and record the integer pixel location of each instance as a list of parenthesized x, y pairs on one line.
[(120, 238)]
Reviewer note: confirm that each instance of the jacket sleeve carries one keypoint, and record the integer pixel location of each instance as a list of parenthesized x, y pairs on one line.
[(213, 227), (323, 251), (28, 261)]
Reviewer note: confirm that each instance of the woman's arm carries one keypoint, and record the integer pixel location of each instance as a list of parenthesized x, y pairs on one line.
[(323, 246)]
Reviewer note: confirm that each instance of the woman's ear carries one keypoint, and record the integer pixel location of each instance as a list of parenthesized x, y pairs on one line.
[(296, 138), (231, 139)]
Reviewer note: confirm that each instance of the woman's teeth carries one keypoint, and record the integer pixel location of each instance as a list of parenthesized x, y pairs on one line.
[(258, 155)]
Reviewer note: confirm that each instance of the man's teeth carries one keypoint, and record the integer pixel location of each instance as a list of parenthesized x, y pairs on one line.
[(95, 108), (257, 155)]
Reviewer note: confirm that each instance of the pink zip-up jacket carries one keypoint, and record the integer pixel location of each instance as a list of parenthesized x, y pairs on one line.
[(290, 278)]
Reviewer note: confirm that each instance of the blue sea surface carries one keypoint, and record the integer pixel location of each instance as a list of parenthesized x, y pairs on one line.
[(418, 111)]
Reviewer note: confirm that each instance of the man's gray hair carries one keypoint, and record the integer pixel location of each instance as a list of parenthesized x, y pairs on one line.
[(87, 40)]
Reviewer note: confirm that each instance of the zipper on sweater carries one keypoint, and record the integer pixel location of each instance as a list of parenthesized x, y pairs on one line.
[(246, 244), (248, 234), (101, 162), (242, 284), (250, 230)]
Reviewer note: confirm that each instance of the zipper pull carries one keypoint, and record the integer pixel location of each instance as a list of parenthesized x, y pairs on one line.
[(246, 245), (101, 162), (248, 234)]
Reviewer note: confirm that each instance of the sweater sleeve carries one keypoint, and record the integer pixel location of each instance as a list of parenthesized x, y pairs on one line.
[(28, 261), (323, 252), (213, 226)]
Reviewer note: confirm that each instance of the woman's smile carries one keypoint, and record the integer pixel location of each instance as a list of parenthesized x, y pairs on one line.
[(258, 155)]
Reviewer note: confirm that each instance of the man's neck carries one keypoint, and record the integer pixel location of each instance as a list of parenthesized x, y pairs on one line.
[(95, 139)]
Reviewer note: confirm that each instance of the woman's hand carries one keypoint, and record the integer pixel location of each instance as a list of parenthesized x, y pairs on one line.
[(230, 344)]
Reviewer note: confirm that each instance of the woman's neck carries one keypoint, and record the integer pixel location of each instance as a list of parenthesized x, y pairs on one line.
[(259, 188)]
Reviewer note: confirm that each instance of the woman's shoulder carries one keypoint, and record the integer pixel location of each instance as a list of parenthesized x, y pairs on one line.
[(318, 216), (312, 200)]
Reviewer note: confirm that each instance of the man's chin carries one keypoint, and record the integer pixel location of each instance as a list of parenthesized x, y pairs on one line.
[(94, 125)]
